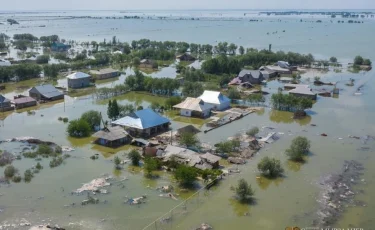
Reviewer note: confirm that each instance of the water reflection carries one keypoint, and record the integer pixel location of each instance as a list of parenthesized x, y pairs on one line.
[(79, 142), (240, 209), (108, 152), (287, 118), (116, 172), (264, 182), (294, 166), (260, 112)]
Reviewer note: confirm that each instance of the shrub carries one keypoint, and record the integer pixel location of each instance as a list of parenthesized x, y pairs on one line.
[(55, 162), (65, 119), (134, 157), (44, 150), (38, 166), (92, 117), (270, 167), (185, 175), (58, 149), (299, 147), (243, 191), (234, 94), (28, 175), (253, 131), (117, 162), (16, 178), (9, 171), (79, 128), (188, 139), (150, 165)]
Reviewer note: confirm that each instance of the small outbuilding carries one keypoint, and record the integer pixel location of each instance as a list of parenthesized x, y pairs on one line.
[(45, 93), (303, 92), (78, 80), (186, 57), (251, 76), (194, 107), (112, 136), (147, 63), (5, 104), (216, 100), (104, 73), (21, 102)]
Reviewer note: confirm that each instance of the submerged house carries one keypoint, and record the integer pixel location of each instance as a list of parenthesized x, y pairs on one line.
[(147, 63), (251, 76), (144, 122), (78, 80), (194, 107), (59, 47), (45, 93), (185, 57), (21, 102), (216, 100), (303, 91), (112, 136), (5, 104), (104, 73)]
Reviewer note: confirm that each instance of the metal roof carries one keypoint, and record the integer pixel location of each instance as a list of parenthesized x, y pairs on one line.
[(214, 97), (302, 90), (142, 119), (3, 99), (111, 133), (254, 73), (78, 75), (194, 104), (47, 91), (23, 100)]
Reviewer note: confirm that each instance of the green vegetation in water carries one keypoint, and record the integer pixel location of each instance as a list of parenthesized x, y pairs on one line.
[(228, 147), (28, 175), (135, 157), (287, 118), (243, 191), (10, 171), (81, 92), (188, 139), (185, 175), (298, 149), (241, 209), (150, 165), (270, 167), (264, 182), (79, 128), (175, 116), (44, 151)]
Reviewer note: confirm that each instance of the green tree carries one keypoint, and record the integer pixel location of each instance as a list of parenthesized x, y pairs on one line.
[(241, 50), (51, 71), (9, 171), (298, 149), (270, 167), (28, 175), (234, 94), (333, 59), (135, 157), (244, 192), (117, 162), (358, 60), (79, 128), (39, 166), (93, 118), (136, 61), (367, 62), (150, 165), (185, 175), (188, 139), (192, 89), (253, 131), (170, 102)]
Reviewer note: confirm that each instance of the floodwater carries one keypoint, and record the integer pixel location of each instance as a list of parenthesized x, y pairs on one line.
[(290, 201)]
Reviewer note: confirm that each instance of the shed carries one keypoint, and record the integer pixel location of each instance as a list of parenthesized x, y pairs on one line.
[(24, 102), (45, 93), (194, 107), (185, 57), (78, 80), (216, 99), (211, 159), (147, 63), (5, 104), (111, 136), (105, 73), (303, 92)]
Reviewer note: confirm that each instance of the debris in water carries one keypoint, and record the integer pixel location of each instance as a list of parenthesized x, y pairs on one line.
[(204, 226), (93, 185)]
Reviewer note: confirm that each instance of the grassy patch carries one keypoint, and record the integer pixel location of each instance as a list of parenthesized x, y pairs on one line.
[(185, 63), (175, 116), (162, 63), (23, 85), (148, 70), (81, 92)]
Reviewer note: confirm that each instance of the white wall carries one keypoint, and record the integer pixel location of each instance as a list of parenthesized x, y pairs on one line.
[(186, 113)]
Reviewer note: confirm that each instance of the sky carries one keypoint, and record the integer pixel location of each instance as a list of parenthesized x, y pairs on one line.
[(184, 4)]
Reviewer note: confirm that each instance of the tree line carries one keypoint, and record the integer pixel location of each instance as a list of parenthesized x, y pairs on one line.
[(291, 103)]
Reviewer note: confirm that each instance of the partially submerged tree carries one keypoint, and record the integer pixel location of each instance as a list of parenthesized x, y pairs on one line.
[(79, 128), (244, 192), (135, 157), (9, 171), (185, 175), (253, 131), (270, 167), (117, 162), (298, 149), (150, 165), (188, 139), (92, 117)]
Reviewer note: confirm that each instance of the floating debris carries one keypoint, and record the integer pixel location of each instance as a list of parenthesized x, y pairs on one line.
[(94, 185)]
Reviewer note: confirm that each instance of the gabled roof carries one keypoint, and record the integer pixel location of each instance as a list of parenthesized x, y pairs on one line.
[(47, 91), (103, 71), (194, 104), (3, 99), (302, 90), (78, 75), (254, 73), (210, 158), (191, 157), (214, 97), (111, 133), (142, 119), (22, 100)]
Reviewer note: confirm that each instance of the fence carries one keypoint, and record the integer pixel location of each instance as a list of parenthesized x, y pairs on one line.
[(171, 218)]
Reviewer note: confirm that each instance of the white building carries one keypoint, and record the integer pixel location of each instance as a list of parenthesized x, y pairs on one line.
[(194, 107), (216, 99)]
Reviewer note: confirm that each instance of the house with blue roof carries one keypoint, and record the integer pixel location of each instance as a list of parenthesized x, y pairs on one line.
[(144, 122), (45, 93)]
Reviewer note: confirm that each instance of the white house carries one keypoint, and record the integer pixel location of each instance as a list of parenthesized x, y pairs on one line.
[(216, 99), (194, 107)]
